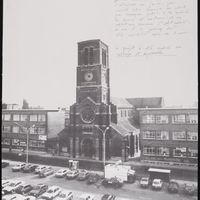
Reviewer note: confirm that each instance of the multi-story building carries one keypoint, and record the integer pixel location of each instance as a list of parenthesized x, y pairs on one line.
[(38, 123), (169, 134)]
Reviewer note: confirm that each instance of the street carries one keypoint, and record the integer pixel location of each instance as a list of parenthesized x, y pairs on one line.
[(128, 191)]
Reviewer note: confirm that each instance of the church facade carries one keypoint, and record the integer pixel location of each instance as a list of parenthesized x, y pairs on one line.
[(94, 127)]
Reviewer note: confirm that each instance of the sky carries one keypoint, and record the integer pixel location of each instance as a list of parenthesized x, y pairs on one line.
[(40, 54)]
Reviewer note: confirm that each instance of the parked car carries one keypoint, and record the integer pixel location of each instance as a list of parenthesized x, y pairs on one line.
[(39, 169), (173, 187), (86, 196), (4, 183), (67, 195), (12, 186), (113, 182), (18, 167), (29, 168), (4, 164), (14, 197), (61, 173), (46, 172), (72, 174), (157, 184), (144, 182), (24, 189), (83, 175), (189, 189), (52, 192), (38, 190), (108, 197), (93, 178), (30, 198)]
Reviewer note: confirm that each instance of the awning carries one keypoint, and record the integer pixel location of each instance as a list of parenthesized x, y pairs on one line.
[(167, 171)]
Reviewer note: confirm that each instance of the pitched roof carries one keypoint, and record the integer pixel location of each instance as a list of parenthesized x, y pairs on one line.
[(124, 128), (120, 102), (151, 102)]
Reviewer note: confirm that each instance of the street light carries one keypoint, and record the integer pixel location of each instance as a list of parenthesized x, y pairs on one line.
[(104, 146), (27, 137)]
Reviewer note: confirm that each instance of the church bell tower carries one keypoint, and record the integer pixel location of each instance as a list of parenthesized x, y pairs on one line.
[(93, 111)]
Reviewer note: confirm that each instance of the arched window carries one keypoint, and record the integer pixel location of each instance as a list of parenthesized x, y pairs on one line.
[(91, 58), (86, 56)]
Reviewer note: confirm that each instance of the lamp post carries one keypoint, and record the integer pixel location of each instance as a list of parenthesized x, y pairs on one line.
[(27, 137), (104, 146)]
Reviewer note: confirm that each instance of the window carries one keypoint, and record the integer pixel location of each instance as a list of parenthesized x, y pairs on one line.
[(179, 152), (192, 119), (33, 118), (162, 119), (104, 57), (6, 141), (7, 117), (193, 136), (41, 130), (162, 135), (86, 56), (181, 135), (162, 151), (121, 113), (33, 130), (176, 119), (148, 119), (15, 141), (15, 129), (193, 153), (24, 117), (41, 118), (36, 143), (91, 55), (148, 134), (149, 150), (22, 143), (15, 117), (6, 129)]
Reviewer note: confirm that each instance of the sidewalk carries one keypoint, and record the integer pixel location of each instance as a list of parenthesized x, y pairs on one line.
[(141, 167)]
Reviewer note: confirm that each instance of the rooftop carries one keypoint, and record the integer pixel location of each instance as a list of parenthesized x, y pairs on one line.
[(150, 102), (170, 108), (120, 102)]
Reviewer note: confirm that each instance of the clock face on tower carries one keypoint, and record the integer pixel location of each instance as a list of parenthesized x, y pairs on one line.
[(87, 114), (88, 76)]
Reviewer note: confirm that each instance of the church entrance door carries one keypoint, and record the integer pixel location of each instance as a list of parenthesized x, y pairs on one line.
[(88, 149)]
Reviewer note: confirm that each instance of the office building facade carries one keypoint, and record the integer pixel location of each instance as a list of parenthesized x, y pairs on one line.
[(169, 134)]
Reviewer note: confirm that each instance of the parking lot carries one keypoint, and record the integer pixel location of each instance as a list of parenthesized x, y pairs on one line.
[(128, 191)]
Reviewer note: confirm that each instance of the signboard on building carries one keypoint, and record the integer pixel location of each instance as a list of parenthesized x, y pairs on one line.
[(42, 137)]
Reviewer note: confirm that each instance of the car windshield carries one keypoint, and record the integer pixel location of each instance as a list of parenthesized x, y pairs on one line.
[(156, 182), (12, 184), (144, 179), (50, 191)]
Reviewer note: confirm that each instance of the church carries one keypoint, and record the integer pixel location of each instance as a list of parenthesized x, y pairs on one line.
[(98, 127)]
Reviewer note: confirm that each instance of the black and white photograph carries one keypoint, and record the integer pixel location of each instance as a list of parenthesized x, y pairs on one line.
[(99, 100)]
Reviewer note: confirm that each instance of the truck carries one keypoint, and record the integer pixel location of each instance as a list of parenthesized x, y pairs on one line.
[(121, 172)]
